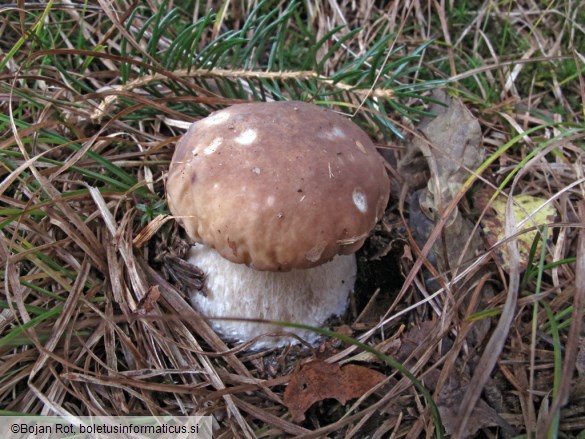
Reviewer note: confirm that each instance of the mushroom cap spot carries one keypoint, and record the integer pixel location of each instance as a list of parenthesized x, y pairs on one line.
[(333, 133), (314, 254), (338, 132), (290, 199), (247, 137), (217, 118), (360, 200), (212, 147)]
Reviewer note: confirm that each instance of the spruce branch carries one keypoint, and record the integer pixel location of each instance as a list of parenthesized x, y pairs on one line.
[(105, 106)]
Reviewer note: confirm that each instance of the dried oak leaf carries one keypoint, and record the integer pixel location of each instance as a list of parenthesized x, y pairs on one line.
[(319, 380)]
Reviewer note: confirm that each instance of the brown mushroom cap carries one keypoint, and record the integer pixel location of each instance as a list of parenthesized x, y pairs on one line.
[(277, 185)]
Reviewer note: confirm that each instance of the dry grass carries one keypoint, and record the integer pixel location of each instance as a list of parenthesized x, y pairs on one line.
[(90, 323)]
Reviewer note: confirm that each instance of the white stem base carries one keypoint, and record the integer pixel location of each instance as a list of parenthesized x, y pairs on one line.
[(308, 296)]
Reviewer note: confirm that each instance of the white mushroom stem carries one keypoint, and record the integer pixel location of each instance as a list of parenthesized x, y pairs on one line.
[(307, 296)]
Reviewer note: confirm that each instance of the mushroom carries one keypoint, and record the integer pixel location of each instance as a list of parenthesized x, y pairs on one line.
[(278, 197)]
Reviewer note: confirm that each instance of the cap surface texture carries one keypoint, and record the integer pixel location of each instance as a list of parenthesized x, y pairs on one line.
[(277, 185)]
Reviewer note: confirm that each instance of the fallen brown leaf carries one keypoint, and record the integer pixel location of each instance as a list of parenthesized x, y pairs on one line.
[(318, 380)]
